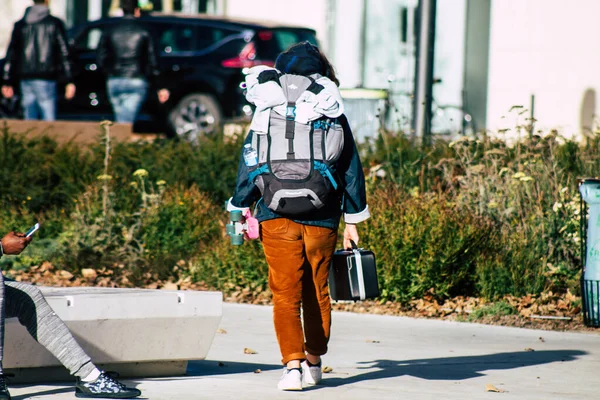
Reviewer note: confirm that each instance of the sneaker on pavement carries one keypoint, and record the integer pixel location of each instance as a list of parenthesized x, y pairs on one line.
[(4, 393), (105, 387), (291, 379), (312, 373)]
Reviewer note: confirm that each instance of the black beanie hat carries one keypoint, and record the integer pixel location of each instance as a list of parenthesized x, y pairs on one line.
[(300, 59)]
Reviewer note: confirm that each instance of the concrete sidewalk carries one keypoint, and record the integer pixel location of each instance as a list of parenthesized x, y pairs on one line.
[(383, 357)]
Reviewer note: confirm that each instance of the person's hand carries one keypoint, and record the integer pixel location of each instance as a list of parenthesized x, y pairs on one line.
[(163, 95), (14, 243), (350, 233), (8, 91), (69, 91)]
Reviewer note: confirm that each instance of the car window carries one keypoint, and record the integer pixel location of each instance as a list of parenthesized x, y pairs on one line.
[(89, 39), (176, 39), (287, 38), (186, 38), (231, 48)]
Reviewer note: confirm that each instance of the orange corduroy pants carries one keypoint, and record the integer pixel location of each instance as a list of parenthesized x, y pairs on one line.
[(299, 256)]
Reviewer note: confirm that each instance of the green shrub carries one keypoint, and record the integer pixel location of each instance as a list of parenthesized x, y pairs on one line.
[(210, 165), (423, 245), (227, 267), (183, 225), (472, 217), (37, 174), (497, 309)]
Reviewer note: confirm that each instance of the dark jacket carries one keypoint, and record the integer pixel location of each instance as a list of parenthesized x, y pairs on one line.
[(38, 48), (352, 200), (126, 50)]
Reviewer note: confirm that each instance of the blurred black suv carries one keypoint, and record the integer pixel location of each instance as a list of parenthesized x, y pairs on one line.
[(202, 60)]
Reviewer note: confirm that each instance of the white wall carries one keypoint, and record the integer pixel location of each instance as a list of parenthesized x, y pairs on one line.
[(449, 59), (345, 46), (386, 57), (11, 11), (548, 48)]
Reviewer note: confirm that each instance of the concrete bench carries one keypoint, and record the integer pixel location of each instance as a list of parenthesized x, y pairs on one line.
[(135, 332)]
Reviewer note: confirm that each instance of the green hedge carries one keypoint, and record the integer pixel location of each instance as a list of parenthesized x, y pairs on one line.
[(472, 217)]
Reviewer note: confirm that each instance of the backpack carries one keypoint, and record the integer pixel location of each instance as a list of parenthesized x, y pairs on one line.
[(295, 170)]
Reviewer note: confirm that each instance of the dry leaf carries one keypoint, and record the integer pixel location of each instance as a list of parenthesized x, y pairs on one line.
[(66, 274), (257, 371), (249, 351), (326, 370), (89, 273), (170, 286), (529, 349), (221, 331), (491, 388)]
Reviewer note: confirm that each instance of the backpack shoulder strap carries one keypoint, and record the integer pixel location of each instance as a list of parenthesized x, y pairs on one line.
[(269, 75)]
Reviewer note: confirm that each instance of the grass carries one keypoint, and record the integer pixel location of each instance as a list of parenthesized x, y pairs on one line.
[(497, 309)]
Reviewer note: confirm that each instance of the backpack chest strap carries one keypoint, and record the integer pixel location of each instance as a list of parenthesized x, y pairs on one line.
[(290, 128)]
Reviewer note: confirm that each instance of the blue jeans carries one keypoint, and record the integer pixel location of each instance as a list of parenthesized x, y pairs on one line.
[(127, 96), (39, 99)]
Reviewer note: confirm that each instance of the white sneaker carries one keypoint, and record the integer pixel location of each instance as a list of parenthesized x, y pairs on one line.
[(291, 379), (312, 373)]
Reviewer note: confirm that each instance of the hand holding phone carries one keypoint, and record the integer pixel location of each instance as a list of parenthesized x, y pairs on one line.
[(32, 230)]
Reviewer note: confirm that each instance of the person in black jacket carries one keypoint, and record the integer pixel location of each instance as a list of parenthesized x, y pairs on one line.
[(37, 57), (127, 56)]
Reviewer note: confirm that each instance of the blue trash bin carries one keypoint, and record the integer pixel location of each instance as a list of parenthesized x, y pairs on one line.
[(589, 189)]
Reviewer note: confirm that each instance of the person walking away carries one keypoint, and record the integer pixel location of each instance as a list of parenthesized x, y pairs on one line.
[(38, 59), (127, 56), (26, 302), (301, 168)]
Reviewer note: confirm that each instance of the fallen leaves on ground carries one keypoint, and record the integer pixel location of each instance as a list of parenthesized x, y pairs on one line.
[(89, 273), (326, 370), (491, 388), (118, 276), (249, 351), (461, 308)]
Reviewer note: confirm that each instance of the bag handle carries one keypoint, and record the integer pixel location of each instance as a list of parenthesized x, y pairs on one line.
[(359, 273)]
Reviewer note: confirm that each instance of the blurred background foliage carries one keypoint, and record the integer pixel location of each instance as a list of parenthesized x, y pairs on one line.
[(473, 217)]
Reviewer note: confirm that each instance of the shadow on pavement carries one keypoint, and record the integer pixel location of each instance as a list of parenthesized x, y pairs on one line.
[(44, 393), (453, 368), (204, 368)]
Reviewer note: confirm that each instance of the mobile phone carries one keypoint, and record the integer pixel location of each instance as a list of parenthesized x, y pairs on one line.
[(32, 230)]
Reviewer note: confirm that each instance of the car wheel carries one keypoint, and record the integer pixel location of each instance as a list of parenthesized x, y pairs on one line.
[(195, 115)]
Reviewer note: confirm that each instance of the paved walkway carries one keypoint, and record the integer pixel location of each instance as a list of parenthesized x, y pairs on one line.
[(383, 357)]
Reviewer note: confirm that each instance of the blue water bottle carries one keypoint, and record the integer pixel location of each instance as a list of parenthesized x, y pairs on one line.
[(250, 156)]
